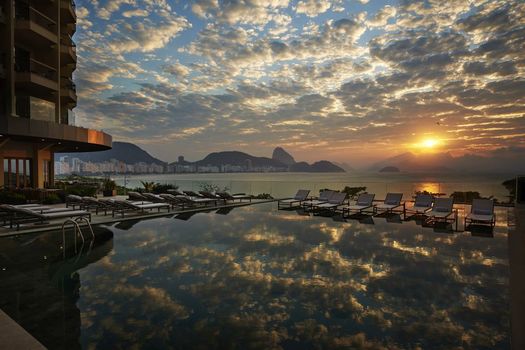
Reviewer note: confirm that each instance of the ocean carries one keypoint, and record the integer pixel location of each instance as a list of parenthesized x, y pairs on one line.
[(286, 184)]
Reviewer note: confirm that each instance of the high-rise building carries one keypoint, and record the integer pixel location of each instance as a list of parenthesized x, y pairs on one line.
[(37, 93)]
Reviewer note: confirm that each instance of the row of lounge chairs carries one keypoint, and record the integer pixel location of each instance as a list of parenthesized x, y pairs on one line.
[(76, 206), (435, 209), (15, 215)]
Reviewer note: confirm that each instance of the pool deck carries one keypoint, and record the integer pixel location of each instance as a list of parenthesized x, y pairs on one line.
[(14, 337), (101, 219)]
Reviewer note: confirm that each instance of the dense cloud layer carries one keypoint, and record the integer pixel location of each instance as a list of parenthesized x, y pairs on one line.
[(309, 75)]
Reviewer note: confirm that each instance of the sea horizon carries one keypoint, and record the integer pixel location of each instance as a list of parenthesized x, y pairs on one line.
[(282, 184)]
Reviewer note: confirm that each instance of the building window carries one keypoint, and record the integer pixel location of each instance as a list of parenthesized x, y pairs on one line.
[(42, 109), (46, 168), (17, 172)]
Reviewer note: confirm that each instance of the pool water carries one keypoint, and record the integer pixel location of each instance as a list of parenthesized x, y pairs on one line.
[(258, 278)]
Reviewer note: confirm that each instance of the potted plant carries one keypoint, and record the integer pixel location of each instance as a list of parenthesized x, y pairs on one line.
[(109, 188)]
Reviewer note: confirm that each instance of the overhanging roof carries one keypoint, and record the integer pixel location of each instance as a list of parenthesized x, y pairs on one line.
[(67, 138)]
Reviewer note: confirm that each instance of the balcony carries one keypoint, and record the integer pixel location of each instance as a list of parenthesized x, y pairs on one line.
[(31, 22), (68, 92), (67, 10), (35, 75), (68, 50)]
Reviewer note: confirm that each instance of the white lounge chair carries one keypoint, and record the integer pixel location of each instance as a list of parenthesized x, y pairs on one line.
[(422, 204), (391, 202), (364, 201), (299, 197), (324, 197), (24, 215), (482, 211), (336, 200), (442, 209)]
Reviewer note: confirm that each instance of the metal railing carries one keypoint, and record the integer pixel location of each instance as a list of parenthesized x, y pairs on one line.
[(30, 65), (67, 40), (25, 11), (69, 84), (77, 232)]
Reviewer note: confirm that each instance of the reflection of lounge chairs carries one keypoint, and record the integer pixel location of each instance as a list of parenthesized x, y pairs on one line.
[(482, 212), (336, 200), (185, 216), (364, 201), (324, 196), (391, 202), (225, 210), (422, 204), (24, 215), (299, 197), (442, 209)]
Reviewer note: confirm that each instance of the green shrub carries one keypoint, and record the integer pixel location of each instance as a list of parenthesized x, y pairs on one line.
[(8, 197), (52, 199), (263, 196), (207, 187), (163, 188), (353, 192), (81, 190), (108, 185), (148, 186), (510, 185), (465, 197)]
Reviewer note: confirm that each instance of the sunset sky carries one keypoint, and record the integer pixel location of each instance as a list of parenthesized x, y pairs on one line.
[(343, 80)]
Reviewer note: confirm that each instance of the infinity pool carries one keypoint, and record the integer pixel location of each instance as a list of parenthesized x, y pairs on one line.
[(258, 278)]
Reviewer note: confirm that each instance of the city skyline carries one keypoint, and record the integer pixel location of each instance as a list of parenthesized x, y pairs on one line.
[(347, 81)]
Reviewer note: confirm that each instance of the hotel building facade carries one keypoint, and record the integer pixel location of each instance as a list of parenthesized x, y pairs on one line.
[(37, 93)]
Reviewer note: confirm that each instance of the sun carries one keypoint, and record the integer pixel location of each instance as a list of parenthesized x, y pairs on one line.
[(429, 143)]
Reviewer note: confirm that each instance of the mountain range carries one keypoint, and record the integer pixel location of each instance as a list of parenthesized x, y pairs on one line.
[(132, 154), (502, 160)]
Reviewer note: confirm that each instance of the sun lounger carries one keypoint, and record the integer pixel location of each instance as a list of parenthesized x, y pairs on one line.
[(299, 197), (482, 212), (135, 196), (24, 215), (175, 192), (442, 209), (174, 200), (336, 200), (125, 206), (422, 204), (364, 201), (233, 197), (324, 197), (391, 202), (192, 194), (192, 201), (73, 201), (90, 203)]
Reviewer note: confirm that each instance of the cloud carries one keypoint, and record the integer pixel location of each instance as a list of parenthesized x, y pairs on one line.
[(252, 12), (146, 36), (248, 74), (313, 8)]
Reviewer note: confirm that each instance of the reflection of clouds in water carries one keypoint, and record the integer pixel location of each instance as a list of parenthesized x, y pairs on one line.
[(271, 280)]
